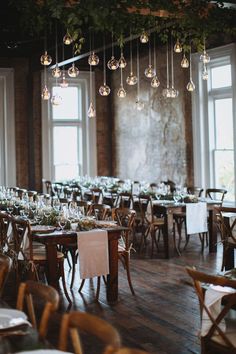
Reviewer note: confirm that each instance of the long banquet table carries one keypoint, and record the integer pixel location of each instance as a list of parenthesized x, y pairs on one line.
[(51, 240), (168, 209)]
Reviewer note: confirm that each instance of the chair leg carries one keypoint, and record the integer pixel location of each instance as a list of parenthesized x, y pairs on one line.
[(187, 241), (128, 275), (63, 281), (202, 239), (81, 285), (98, 288), (174, 237)]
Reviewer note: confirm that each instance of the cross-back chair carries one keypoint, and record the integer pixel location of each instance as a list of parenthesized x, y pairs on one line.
[(5, 230), (197, 191), (5, 267), (100, 211), (216, 340), (75, 323), (125, 200), (216, 193), (33, 295)]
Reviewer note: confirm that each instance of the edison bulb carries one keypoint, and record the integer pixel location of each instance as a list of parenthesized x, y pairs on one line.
[(45, 59), (91, 111), (190, 86), (73, 71), (178, 47), (122, 62), (104, 90), (139, 104), (144, 37), (56, 72), (150, 71), (205, 58), (93, 59), (155, 82), (45, 94), (56, 100), (184, 62), (64, 83), (113, 64), (132, 79), (67, 39), (121, 93)]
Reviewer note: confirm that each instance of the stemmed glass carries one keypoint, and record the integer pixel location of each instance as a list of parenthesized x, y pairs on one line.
[(47, 212), (62, 221)]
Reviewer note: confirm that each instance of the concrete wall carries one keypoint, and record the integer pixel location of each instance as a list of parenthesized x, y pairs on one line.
[(151, 144)]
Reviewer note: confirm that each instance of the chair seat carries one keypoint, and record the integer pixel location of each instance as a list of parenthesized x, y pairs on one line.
[(39, 254)]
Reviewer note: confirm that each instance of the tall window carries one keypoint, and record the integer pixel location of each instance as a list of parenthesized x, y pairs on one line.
[(214, 122), (69, 136)]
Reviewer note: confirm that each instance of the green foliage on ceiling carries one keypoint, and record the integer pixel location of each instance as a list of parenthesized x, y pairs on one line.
[(187, 19)]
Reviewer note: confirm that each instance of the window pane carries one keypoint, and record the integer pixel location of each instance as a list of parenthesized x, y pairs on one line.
[(66, 152), (224, 123), (221, 76), (69, 108), (224, 172)]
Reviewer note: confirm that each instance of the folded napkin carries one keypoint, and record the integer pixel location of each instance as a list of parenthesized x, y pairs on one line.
[(213, 296), (196, 218), (93, 253)]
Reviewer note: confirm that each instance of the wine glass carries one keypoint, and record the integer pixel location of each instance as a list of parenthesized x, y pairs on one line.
[(47, 212), (62, 221)]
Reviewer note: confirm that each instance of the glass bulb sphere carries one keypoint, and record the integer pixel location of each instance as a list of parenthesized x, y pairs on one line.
[(150, 71), (113, 64), (144, 37), (67, 39), (56, 100), (205, 58), (56, 72), (45, 59), (121, 93), (104, 90), (139, 104), (132, 79), (64, 83), (122, 62), (184, 62), (178, 47), (173, 92), (155, 82), (45, 94), (73, 71), (205, 74), (93, 59), (190, 86), (91, 111), (166, 93)]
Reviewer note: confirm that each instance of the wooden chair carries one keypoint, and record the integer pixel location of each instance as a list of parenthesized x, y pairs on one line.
[(74, 323), (216, 341), (125, 217), (5, 267), (31, 255), (100, 211), (227, 230), (125, 200), (33, 294), (197, 191), (97, 195), (216, 193), (5, 221)]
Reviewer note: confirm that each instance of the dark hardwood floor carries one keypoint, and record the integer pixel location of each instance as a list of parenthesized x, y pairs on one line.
[(163, 316)]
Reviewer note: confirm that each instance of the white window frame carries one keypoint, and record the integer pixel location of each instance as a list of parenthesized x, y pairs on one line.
[(89, 144), (7, 128), (202, 102)]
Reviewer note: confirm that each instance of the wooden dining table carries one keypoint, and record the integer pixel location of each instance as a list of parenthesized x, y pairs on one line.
[(53, 239), (167, 210)]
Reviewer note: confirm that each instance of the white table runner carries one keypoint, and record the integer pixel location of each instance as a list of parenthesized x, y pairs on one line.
[(196, 218)]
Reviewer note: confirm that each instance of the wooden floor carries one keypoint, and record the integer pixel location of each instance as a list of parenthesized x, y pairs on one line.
[(163, 317)]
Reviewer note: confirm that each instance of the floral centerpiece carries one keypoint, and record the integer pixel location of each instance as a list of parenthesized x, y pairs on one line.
[(86, 224), (190, 198)]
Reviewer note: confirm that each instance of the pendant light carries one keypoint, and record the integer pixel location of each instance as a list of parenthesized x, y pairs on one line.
[(204, 72), (166, 91), (45, 60), (150, 72), (91, 110), (93, 59), (190, 86), (131, 79), (67, 39), (173, 92), (155, 81), (121, 93), (144, 37), (139, 103), (122, 62), (204, 57), (56, 72), (178, 47), (45, 92), (104, 90), (73, 71), (112, 64), (184, 62), (64, 82)]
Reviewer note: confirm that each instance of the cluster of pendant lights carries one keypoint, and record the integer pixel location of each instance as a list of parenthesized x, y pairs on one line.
[(113, 64)]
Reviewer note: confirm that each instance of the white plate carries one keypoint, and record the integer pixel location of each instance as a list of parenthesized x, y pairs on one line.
[(44, 351), (10, 318)]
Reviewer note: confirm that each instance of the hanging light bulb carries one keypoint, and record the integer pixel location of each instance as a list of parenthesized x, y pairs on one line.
[(122, 61), (204, 72), (56, 72), (45, 94), (112, 64), (144, 37), (131, 78), (45, 59), (178, 47), (64, 83), (204, 57), (93, 59), (104, 89), (190, 86), (173, 92), (139, 104), (56, 100), (166, 91), (91, 111), (155, 82), (149, 72), (67, 39), (73, 71), (184, 62), (121, 93)]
